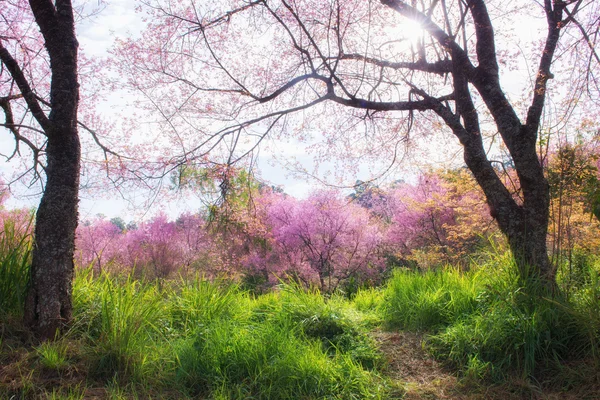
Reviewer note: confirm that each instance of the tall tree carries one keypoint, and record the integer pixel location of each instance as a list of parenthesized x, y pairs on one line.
[(50, 110), (219, 72)]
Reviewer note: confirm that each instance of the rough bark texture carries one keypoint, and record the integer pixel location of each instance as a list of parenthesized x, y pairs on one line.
[(49, 307)]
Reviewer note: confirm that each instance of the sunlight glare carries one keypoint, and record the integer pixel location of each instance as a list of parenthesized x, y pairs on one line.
[(409, 30), (404, 35)]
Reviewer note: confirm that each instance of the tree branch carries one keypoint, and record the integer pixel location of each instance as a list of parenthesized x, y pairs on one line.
[(19, 77), (458, 54), (439, 67), (539, 93), (484, 31)]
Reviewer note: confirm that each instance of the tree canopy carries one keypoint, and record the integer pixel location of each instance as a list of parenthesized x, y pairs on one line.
[(365, 76)]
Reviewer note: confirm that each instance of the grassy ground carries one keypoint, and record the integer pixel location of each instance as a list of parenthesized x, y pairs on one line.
[(195, 339), (483, 334)]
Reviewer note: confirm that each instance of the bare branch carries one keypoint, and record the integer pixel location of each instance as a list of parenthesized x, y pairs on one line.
[(591, 44), (458, 54), (439, 67), (534, 113), (94, 134)]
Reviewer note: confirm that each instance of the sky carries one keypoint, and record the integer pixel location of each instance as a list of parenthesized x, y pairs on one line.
[(118, 19)]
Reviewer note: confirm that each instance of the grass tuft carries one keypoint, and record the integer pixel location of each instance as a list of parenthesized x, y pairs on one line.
[(431, 300), (53, 355), (198, 302), (121, 318), (15, 259)]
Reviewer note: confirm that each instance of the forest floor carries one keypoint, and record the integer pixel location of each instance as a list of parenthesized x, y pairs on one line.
[(408, 363)]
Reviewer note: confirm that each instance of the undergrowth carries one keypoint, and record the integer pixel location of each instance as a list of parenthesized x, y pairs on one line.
[(212, 339), (491, 324), (192, 338)]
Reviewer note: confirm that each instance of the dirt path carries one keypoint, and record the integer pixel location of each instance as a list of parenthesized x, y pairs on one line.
[(408, 362), (426, 379)]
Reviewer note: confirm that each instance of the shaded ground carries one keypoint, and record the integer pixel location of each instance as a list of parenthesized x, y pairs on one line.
[(426, 379)]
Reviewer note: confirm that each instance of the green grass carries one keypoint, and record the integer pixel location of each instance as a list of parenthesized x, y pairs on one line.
[(198, 301), (490, 324), (124, 321), (212, 339), (269, 361), (15, 258), (74, 393), (286, 345), (193, 338), (53, 355), (431, 300)]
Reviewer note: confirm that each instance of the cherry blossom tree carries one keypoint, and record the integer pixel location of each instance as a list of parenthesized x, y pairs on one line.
[(97, 243), (39, 96), (363, 76), (19, 221), (156, 248), (438, 220), (322, 237)]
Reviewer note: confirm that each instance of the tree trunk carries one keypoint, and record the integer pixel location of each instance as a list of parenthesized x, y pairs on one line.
[(49, 306), (524, 225), (527, 239)]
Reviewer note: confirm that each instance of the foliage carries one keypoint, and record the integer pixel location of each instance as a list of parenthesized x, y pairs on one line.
[(262, 236), (156, 248), (442, 219), (574, 185), (96, 242)]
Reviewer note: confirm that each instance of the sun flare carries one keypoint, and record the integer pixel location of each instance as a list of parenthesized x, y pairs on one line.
[(407, 30)]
